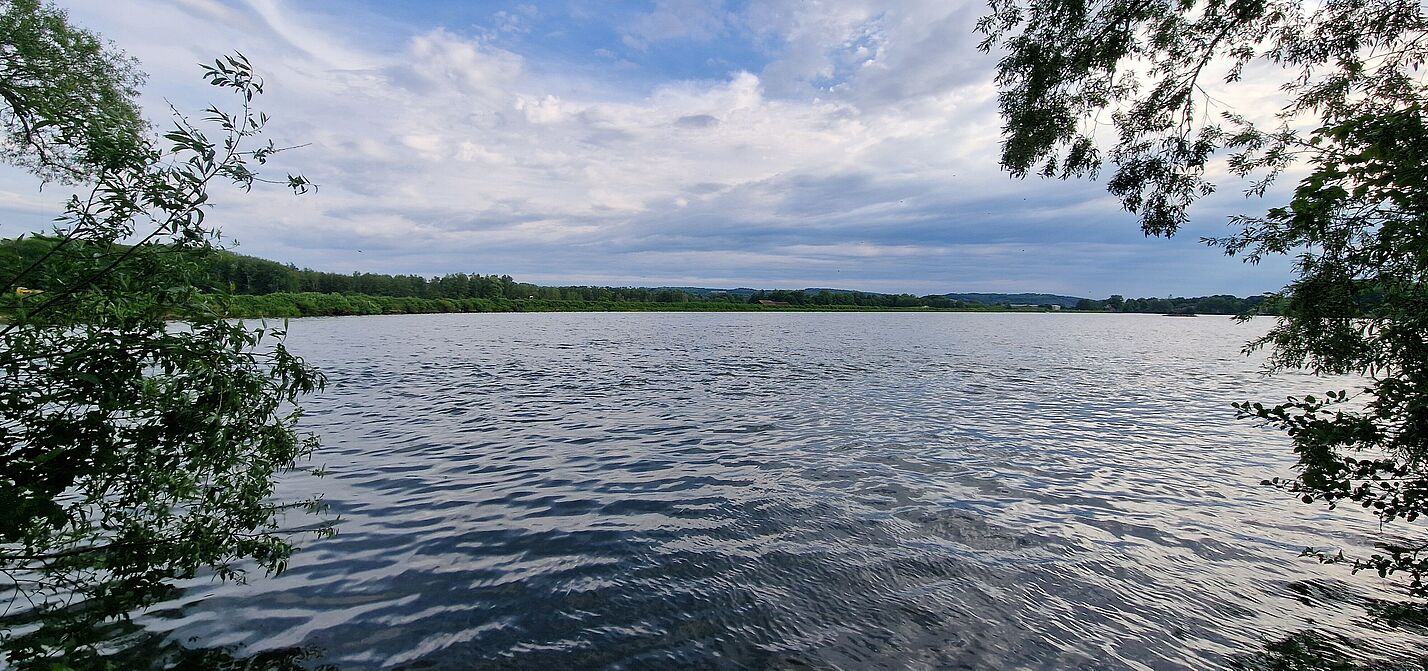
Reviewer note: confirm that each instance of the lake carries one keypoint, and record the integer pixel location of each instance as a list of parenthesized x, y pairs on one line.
[(792, 490)]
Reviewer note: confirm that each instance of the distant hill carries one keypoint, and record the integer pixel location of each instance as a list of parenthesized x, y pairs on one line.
[(705, 292), (745, 292)]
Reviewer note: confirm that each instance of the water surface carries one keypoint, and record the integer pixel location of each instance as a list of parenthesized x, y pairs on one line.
[(792, 490)]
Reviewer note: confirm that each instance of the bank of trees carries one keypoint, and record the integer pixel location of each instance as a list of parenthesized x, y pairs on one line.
[(825, 297), (249, 276), (1223, 304), (226, 272), (1212, 305)]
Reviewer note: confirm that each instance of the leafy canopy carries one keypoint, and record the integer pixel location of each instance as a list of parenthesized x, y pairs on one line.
[(1350, 118), (141, 431), (68, 97)]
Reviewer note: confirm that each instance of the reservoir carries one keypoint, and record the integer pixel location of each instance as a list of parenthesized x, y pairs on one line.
[(793, 490)]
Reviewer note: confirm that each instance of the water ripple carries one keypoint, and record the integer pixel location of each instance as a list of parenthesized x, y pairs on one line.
[(791, 491)]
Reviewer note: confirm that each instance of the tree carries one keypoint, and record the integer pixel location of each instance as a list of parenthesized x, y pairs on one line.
[(133, 453), (68, 98), (1350, 124)]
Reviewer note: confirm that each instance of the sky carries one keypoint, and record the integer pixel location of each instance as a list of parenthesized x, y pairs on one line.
[(770, 144)]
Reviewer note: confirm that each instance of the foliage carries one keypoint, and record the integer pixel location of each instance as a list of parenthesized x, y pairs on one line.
[(328, 305), (833, 298), (133, 451), (263, 288), (225, 271), (68, 97), (1350, 118), (251, 275), (1204, 305)]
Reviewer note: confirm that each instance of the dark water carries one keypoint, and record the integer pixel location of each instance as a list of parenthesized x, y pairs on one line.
[(849, 491)]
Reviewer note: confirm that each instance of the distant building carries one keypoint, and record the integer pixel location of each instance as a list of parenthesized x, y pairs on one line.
[(772, 303)]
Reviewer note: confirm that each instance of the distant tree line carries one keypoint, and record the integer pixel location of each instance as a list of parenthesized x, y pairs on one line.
[(1212, 305), (252, 276), (825, 297), (248, 275), (310, 304), (1208, 305)]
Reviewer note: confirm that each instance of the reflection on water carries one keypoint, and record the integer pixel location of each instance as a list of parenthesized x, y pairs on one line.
[(1310, 650), (793, 491), (167, 654)]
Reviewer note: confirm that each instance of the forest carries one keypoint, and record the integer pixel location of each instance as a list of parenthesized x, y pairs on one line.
[(258, 287)]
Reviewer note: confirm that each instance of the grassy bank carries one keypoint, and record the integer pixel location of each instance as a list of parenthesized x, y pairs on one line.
[(311, 304)]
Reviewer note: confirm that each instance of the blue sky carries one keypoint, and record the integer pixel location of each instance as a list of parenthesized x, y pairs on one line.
[(693, 142)]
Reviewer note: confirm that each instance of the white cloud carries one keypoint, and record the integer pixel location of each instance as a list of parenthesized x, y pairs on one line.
[(698, 20), (444, 62), (543, 111), (865, 146)]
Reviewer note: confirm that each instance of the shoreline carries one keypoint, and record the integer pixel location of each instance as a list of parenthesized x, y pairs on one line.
[(312, 304), (296, 306)]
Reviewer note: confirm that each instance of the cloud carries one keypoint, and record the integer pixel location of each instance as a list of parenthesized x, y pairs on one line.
[(443, 63), (698, 20), (859, 150), (697, 121), (306, 39)]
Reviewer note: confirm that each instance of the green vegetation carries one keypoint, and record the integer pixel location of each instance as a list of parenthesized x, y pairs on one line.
[(132, 454), (1350, 118), (255, 287), (834, 299), (68, 101), (1203, 305), (327, 305), (226, 272)]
